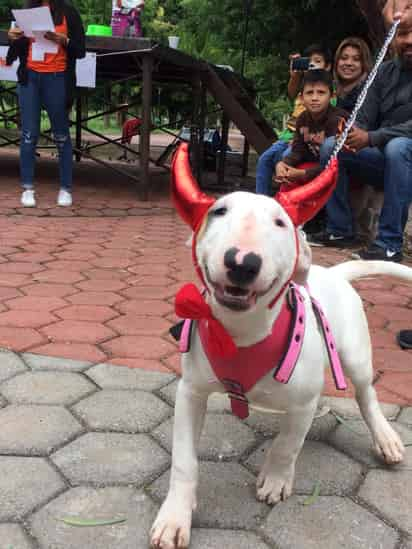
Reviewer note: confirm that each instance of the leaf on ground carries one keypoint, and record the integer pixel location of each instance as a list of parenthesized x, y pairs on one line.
[(315, 494), (345, 424), (73, 521)]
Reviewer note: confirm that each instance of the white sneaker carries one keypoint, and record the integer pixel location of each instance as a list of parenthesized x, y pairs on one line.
[(64, 198), (27, 198)]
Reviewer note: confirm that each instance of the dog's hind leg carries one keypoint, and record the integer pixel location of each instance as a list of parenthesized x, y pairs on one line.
[(386, 440), (171, 529), (275, 481)]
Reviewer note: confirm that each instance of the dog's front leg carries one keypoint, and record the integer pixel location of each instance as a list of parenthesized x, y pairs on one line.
[(171, 529), (275, 481)]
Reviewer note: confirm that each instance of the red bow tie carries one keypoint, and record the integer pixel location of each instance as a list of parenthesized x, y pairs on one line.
[(190, 303)]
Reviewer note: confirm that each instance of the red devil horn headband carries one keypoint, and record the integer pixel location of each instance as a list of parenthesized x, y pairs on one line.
[(301, 204), (191, 203)]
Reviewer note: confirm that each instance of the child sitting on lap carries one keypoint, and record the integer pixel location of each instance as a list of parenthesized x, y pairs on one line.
[(319, 121)]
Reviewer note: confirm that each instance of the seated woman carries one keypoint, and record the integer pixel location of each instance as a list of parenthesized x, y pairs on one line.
[(352, 64)]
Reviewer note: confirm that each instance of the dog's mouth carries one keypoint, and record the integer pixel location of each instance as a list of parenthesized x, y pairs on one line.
[(236, 298)]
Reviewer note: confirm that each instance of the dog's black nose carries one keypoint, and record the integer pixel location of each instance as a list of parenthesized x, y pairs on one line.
[(241, 274)]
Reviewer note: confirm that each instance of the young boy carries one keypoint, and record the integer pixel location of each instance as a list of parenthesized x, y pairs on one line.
[(320, 58), (126, 18), (319, 121)]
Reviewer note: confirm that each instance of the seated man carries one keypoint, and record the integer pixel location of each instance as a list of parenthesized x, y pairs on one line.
[(320, 58), (318, 121), (380, 155)]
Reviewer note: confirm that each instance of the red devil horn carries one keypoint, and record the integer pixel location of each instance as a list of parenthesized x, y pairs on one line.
[(191, 203), (304, 202)]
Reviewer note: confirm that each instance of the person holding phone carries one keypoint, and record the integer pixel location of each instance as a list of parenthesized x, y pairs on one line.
[(49, 83), (315, 57)]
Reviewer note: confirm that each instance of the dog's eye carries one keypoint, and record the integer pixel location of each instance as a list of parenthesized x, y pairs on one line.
[(279, 222), (219, 212)]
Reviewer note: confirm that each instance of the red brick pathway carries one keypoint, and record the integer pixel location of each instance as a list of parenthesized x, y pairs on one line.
[(96, 282)]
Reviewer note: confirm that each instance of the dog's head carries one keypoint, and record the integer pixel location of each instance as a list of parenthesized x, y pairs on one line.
[(246, 247)]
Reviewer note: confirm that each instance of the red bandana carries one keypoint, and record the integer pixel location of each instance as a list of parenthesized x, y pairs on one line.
[(190, 303)]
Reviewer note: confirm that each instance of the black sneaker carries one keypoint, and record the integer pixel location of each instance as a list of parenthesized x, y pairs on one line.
[(405, 339), (332, 240), (377, 253)]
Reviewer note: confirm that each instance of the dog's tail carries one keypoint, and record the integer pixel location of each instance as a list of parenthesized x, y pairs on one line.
[(352, 270)]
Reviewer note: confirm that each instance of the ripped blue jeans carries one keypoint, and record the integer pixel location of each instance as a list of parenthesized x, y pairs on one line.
[(48, 91)]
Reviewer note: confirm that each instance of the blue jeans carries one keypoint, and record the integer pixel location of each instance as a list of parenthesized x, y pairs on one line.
[(48, 91), (389, 169), (266, 166)]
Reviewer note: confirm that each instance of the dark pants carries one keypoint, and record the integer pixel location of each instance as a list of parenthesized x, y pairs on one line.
[(48, 91)]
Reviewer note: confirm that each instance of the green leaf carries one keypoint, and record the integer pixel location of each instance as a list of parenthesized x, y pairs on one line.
[(315, 494), (73, 521), (343, 422)]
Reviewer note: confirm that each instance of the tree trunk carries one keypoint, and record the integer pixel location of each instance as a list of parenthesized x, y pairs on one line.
[(372, 11)]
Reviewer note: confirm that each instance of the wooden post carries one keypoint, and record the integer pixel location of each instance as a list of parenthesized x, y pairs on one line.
[(245, 157), (144, 144), (202, 121), (196, 134), (222, 156)]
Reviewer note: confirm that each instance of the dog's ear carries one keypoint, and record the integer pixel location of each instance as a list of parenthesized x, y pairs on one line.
[(304, 259)]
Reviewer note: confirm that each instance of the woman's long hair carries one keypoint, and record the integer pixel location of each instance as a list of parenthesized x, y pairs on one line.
[(56, 8), (364, 52)]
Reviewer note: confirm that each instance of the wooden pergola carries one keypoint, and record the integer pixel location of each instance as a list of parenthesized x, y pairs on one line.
[(142, 59)]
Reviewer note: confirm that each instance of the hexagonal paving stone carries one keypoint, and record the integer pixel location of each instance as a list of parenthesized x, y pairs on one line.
[(226, 496), (47, 388), (35, 430), (43, 362), (10, 365), (269, 424), (348, 407), (139, 347), (317, 463), (25, 483), (108, 376), (390, 493), (109, 458), (96, 504), (14, 537), (123, 411), (406, 416), (78, 330), (330, 522), (216, 403), (216, 539), (223, 437), (353, 438)]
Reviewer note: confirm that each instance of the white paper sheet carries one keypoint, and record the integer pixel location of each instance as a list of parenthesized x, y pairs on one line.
[(7, 73), (38, 19), (86, 71), (35, 23)]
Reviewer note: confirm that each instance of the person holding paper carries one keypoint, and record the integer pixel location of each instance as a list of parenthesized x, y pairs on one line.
[(47, 80)]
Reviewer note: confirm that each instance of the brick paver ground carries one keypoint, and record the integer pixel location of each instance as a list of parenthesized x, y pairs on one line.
[(96, 282), (99, 449)]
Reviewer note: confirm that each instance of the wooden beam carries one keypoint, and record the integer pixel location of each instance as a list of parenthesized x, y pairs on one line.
[(146, 126)]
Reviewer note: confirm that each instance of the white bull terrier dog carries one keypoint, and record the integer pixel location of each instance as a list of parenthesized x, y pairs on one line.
[(247, 251)]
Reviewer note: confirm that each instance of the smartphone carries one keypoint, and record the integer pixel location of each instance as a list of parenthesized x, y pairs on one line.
[(301, 64)]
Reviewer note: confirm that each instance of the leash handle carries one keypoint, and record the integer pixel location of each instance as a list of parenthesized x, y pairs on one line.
[(362, 96)]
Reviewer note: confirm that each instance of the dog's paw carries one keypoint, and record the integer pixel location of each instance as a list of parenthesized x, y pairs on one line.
[(272, 487), (389, 445), (171, 529)]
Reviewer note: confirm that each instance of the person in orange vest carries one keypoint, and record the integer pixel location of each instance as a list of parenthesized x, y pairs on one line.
[(130, 128)]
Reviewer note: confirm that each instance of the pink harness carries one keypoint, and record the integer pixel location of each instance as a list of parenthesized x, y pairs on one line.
[(278, 352)]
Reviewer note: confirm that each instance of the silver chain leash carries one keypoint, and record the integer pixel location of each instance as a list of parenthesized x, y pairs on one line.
[(362, 96)]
